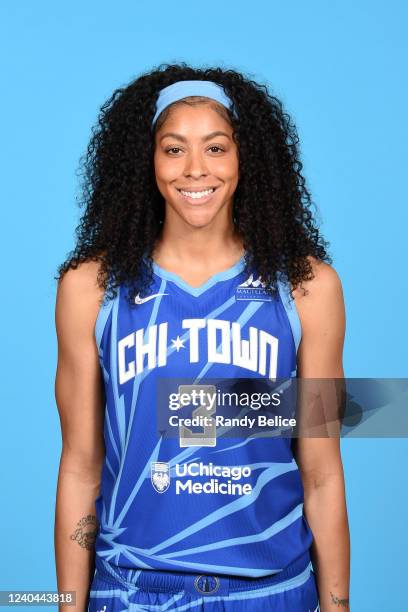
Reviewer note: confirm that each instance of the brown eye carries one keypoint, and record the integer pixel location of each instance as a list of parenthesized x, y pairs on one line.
[(216, 147), (172, 149)]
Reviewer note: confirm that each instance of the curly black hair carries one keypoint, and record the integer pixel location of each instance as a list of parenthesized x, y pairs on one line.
[(124, 210)]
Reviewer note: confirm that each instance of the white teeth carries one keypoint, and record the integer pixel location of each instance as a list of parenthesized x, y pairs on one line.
[(196, 194)]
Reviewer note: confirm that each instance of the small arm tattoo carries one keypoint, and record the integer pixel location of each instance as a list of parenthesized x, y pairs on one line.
[(343, 603), (86, 531)]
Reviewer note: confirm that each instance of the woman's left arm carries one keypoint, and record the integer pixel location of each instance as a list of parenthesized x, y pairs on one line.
[(322, 316)]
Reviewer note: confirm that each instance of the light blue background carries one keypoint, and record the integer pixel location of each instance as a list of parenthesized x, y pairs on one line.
[(340, 70)]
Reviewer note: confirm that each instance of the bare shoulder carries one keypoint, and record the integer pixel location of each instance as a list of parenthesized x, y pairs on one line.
[(323, 297), (78, 299), (82, 279), (325, 281)]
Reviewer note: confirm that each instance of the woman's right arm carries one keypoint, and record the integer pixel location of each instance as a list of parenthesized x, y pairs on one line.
[(80, 400)]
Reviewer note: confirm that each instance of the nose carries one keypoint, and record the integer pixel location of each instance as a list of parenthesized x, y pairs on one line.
[(195, 165)]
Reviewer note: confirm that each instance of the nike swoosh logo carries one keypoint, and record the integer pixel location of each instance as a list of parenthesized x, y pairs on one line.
[(140, 300)]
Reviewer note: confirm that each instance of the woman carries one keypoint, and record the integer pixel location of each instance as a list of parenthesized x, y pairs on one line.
[(198, 233)]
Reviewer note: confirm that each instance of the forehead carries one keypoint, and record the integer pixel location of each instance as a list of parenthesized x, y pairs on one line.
[(197, 119)]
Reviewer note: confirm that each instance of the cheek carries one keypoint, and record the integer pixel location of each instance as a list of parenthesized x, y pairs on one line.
[(227, 168), (164, 170)]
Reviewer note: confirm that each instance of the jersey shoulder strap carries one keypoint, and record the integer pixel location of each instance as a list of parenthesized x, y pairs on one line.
[(290, 308)]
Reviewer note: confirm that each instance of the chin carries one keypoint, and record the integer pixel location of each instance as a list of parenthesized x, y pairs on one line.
[(203, 222)]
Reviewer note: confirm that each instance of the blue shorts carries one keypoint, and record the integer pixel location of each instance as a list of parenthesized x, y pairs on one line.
[(115, 589)]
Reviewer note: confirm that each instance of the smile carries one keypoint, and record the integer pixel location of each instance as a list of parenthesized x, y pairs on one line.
[(197, 195)]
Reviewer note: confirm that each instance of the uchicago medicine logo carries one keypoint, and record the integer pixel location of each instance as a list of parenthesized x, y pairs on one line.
[(224, 480), (160, 475)]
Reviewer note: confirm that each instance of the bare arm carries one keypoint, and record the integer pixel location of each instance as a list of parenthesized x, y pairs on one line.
[(80, 400), (320, 356)]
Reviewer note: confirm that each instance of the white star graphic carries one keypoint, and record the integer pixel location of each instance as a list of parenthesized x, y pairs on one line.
[(178, 344)]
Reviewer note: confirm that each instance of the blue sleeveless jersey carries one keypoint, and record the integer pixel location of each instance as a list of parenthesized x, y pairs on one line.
[(229, 327)]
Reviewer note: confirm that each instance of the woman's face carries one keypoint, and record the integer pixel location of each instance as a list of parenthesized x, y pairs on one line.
[(195, 152)]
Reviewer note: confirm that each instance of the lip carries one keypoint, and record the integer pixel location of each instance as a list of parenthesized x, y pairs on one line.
[(196, 201)]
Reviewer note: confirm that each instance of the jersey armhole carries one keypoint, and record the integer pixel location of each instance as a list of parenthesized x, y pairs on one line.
[(291, 311), (101, 319)]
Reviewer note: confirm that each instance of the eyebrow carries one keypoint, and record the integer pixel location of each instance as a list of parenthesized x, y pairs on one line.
[(204, 139)]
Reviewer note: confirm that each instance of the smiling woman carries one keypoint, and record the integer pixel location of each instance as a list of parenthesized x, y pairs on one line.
[(197, 256), (196, 167)]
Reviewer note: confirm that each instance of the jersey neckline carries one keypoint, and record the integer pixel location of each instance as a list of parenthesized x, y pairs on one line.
[(230, 272)]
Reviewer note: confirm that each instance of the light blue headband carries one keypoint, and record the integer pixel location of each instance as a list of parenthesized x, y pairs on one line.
[(182, 89)]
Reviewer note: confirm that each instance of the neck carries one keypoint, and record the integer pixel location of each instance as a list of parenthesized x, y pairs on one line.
[(204, 245)]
